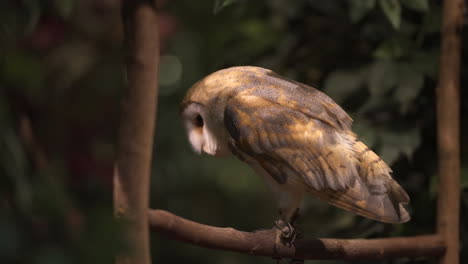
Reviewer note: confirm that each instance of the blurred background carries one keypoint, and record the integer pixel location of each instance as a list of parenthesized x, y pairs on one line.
[(60, 81)]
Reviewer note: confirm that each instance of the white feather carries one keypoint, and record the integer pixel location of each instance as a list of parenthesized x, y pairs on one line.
[(210, 143), (196, 140)]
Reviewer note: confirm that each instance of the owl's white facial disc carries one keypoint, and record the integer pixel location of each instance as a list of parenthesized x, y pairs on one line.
[(201, 131)]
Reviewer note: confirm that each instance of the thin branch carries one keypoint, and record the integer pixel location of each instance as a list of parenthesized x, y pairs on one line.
[(261, 242), (448, 129), (131, 193)]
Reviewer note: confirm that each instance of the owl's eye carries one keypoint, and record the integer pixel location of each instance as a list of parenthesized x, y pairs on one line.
[(198, 122)]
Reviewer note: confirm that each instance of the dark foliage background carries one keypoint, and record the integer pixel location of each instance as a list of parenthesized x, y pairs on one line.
[(60, 82)]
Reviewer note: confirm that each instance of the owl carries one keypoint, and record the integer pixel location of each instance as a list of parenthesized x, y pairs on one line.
[(296, 138)]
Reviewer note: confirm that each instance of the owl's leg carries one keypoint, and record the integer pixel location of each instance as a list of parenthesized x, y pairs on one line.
[(289, 204)]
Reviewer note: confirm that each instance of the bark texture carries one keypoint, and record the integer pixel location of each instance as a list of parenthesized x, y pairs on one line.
[(448, 127), (261, 242), (133, 166)]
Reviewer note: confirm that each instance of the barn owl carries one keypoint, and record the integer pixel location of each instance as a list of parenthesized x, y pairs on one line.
[(295, 137)]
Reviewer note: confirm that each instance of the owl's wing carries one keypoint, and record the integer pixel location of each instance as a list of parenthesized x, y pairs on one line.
[(306, 99), (295, 146)]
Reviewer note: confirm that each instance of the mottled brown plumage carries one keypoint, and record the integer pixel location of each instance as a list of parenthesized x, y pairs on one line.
[(296, 137)]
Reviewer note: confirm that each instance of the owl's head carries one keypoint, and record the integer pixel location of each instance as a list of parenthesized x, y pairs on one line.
[(203, 130), (203, 107)]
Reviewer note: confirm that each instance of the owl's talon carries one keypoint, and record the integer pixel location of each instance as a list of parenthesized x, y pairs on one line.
[(285, 233)]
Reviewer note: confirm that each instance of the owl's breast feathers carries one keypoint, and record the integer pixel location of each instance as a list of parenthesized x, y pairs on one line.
[(298, 134)]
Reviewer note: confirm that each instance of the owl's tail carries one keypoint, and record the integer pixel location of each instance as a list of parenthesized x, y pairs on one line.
[(374, 194), (384, 191)]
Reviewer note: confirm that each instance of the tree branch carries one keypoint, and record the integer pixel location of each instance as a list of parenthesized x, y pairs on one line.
[(261, 242), (448, 130), (132, 170)]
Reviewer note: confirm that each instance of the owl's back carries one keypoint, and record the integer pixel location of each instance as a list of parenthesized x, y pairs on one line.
[(288, 126)]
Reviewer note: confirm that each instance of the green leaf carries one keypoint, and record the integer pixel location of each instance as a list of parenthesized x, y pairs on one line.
[(392, 10), (359, 8), (409, 86), (417, 5), (395, 143), (221, 4), (341, 83), (367, 133), (389, 49), (409, 142), (426, 62), (389, 153), (382, 77), (256, 35), (372, 103)]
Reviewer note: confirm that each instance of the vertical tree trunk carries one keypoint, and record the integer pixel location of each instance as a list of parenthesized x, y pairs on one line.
[(448, 127), (132, 170)]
